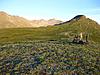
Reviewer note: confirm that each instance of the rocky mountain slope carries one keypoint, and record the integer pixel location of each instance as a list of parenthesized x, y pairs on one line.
[(9, 21)]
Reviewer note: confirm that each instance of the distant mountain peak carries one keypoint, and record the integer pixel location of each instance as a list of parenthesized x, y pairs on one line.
[(11, 21)]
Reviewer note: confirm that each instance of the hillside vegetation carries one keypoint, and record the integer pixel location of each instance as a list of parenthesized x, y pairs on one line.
[(66, 30), (49, 58), (49, 50)]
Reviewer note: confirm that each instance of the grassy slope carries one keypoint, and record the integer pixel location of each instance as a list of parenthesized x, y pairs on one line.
[(54, 32)]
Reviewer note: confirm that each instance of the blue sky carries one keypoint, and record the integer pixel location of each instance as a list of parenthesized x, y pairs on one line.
[(46, 9)]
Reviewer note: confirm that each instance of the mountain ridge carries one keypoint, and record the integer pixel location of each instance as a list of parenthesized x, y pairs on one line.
[(68, 29), (10, 21), (77, 18)]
